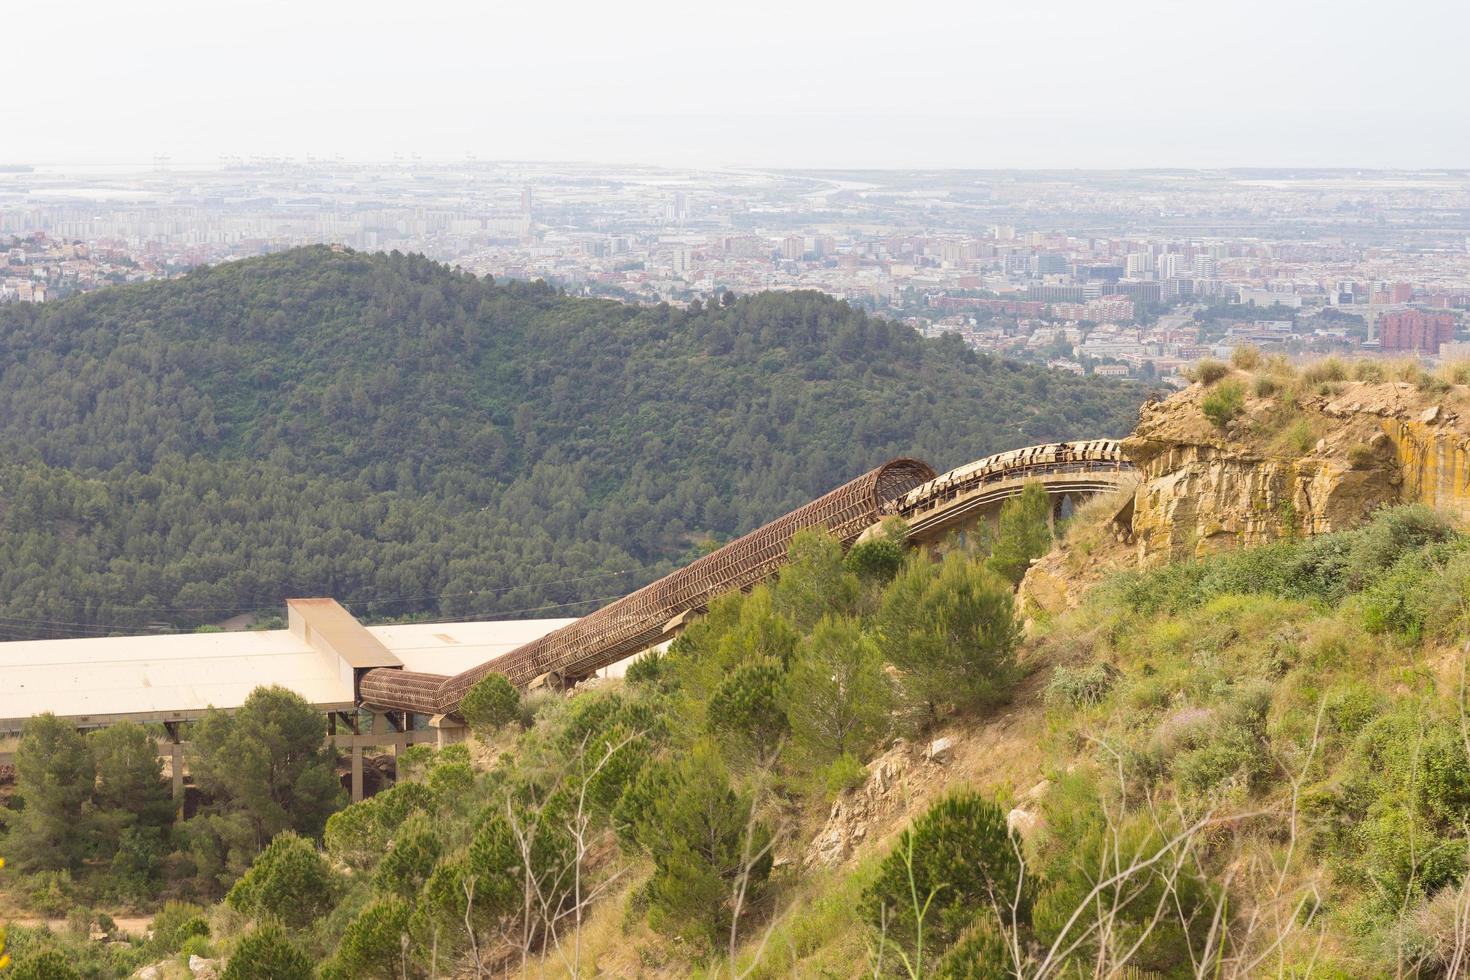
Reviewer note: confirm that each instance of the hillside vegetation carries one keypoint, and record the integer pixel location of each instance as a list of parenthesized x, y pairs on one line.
[(417, 441)]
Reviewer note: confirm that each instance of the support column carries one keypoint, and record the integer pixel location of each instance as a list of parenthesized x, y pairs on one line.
[(451, 731), (356, 772)]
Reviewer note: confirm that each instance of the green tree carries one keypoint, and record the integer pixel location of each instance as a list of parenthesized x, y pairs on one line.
[(289, 881), (838, 697), (749, 707), (407, 865), (703, 841), (266, 953), (269, 762), (815, 581), (491, 704), (951, 629), (55, 776), (373, 943), (131, 791), (1024, 532), (953, 867)]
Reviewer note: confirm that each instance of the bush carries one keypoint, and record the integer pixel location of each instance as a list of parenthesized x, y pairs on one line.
[(407, 865), (372, 944), (175, 923), (1024, 532), (749, 707), (845, 774), (491, 704), (1225, 403), (1362, 457), (839, 698), (1331, 369), (1246, 357), (876, 560), (265, 953), (289, 880), (1081, 685), (196, 946), (649, 670), (1267, 387), (951, 630), (1208, 371), (1370, 371), (959, 857), (47, 964)]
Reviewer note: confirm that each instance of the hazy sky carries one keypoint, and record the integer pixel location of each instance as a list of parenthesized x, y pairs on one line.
[(762, 83)]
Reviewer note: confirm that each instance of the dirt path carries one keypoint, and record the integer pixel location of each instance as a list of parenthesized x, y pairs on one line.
[(133, 925)]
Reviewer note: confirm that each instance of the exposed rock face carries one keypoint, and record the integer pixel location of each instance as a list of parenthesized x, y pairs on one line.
[(1204, 489)]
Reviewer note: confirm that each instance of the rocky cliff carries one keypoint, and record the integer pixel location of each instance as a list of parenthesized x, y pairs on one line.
[(1298, 458)]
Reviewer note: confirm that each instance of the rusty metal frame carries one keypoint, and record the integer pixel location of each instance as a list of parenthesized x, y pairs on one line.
[(647, 616)]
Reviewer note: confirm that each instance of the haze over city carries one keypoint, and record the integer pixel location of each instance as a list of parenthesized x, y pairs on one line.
[(1070, 83)]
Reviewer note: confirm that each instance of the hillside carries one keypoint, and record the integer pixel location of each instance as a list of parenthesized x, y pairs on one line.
[(380, 427)]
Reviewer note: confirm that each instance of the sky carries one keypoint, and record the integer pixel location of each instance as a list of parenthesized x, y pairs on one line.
[(755, 83)]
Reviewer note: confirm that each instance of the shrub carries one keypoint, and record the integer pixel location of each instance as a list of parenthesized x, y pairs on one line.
[(959, 857), (288, 880), (649, 670), (196, 946), (1081, 685), (1361, 457), (1331, 369), (1225, 403), (838, 696), (749, 706), (1267, 387), (175, 923), (372, 944), (492, 703), (845, 774), (876, 560), (702, 839), (47, 964), (265, 953), (951, 630), (1024, 532), (407, 865), (1370, 371), (1246, 357), (1208, 371)]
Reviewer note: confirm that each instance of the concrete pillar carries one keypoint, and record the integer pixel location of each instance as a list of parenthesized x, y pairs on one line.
[(176, 758), (451, 731), (356, 772)]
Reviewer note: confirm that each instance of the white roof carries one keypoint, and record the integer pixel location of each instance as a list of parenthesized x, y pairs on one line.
[(178, 676), (448, 648)]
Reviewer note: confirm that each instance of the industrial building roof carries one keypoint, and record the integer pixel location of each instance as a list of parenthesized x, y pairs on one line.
[(99, 680)]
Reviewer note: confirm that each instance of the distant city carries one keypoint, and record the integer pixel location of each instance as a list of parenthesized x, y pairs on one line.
[(1129, 273)]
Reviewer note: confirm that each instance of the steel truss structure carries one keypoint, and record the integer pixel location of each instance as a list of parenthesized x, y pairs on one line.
[(651, 614), (904, 487)]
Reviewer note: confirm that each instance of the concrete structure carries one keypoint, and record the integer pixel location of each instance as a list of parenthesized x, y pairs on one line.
[(171, 680)]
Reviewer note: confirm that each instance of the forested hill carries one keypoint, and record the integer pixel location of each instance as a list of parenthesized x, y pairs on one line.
[(383, 426)]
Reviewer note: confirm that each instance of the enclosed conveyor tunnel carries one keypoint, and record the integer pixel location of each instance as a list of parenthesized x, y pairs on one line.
[(905, 487), (654, 612)]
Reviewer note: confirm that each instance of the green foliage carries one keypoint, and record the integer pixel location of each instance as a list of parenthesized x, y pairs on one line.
[(176, 922), (47, 964), (703, 841), (875, 560), (266, 953), (748, 708), (289, 881), (436, 443), (408, 864), (952, 868), (1073, 686), (492, 703), (951, 628), (1208, 371), (267, 763), (1088, 875), (1223, 404), (838, 696), (815, 582), (1024, 532), (55, 775), (372, 945)]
